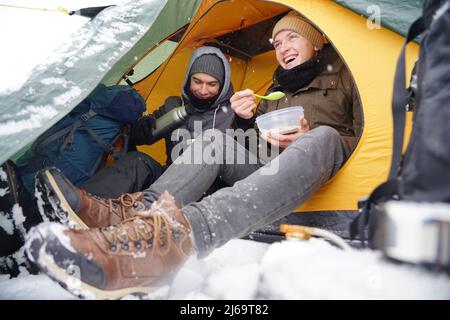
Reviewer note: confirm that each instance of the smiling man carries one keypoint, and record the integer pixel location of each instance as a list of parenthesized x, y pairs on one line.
[(311, 75), (173, 220)]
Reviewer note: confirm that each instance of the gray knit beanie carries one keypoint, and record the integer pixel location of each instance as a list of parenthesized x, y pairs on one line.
[(209, 64)]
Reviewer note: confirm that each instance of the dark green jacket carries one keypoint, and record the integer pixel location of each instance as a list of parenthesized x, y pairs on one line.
[(330, 99)]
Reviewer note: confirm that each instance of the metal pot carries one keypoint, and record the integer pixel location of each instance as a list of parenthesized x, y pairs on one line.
[(417, 233)]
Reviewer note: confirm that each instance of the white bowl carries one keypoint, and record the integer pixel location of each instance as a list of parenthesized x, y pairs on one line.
[(281, 121)]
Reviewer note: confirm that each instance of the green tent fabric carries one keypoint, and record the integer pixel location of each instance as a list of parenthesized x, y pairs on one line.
[(174, 15), (100, 51), (396, 15)]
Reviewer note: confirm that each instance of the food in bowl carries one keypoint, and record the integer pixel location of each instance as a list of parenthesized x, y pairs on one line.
[(286, 130), (283, 121)]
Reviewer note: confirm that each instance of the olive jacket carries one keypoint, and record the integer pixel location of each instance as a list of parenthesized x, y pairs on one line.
[(331, 99)]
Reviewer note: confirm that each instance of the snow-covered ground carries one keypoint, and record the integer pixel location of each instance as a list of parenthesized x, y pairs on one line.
[(239, 270), (245, 269)]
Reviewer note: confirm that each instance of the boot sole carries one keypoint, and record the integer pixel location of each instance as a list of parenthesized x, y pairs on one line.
[(45, 262), (62, 209), (82, 289)]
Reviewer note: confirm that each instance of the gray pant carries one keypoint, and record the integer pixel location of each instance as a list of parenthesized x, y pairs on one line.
[(259, 194)]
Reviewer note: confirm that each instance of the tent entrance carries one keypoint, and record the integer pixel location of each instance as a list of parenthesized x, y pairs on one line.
[(241, 29)]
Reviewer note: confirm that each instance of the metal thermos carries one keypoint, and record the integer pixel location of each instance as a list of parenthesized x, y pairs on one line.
[(170, 121)]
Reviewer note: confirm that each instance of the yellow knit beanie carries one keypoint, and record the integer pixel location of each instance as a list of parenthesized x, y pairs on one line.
[(293, 21)]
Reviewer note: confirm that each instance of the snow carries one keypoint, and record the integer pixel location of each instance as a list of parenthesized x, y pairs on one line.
[(18, 217), (441, 11), (244, 269), (9, 221), (37, 116), (31, 287), (67, 96), (3, 191), (7, 224), (53, 229), (316, 270), (31, 35), (60, 81)]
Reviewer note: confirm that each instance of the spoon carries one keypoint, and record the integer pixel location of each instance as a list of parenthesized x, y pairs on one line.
[(272, 96)]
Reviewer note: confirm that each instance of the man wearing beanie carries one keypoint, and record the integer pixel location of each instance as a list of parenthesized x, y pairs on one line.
[(205, 94), (311, 75), (210, 64), (174, 216)]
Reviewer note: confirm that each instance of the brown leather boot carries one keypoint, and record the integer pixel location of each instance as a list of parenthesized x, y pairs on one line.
[(137, 256), (65, 203)]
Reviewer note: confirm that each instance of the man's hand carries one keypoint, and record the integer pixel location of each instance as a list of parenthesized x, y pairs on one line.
[(243, 103), (284, 140), (142, 130)]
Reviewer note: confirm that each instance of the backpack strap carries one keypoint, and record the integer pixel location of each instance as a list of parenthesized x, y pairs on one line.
[(358, 226), (67, 131), (105, 146), (390, 188), (117, 148), (123, 145), (400, 98)]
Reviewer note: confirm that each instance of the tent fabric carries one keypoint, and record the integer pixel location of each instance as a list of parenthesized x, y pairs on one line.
[(100, 51), (371, 60), (28, 112), (119, 37), (395, 15), (172, 17)]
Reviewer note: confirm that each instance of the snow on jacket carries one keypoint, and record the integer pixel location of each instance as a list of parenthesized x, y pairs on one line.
[(330, 99)]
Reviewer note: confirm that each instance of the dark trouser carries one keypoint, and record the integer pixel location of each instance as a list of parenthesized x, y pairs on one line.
[(133, 172), (259, 194)]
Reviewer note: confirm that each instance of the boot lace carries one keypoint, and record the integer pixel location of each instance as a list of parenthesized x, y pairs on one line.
[(119, 205), (156, 229)]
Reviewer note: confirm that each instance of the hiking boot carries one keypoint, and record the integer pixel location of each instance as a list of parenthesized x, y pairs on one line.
[(65, 203), (137, 256)]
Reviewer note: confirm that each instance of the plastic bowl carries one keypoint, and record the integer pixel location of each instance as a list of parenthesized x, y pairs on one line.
[(281, 121)]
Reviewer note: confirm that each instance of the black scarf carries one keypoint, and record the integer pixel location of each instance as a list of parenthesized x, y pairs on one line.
[(298, 77)]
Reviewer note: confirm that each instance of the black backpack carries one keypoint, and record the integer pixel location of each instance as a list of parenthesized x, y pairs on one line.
[(422, 173)]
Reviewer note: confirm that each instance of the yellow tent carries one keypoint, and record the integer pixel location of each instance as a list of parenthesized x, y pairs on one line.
[(241, 29)]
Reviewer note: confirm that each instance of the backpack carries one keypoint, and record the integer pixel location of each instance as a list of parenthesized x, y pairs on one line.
[(79, 142), (422, 173)]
